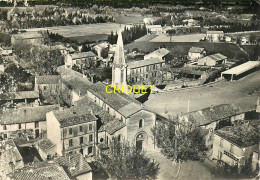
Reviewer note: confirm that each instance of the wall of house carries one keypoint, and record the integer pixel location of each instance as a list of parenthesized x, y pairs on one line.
[(54, 132), (44, 154), (238, 117), (68, 61), (255, 161), (133, 129), (87, 176), (195, 56)]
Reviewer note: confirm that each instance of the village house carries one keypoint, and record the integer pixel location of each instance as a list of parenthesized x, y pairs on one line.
[(6, 51), (212, 60), (41, 170), (23, 119), (196, 53), (45, 148), (159, 53), (154, 29), (20, 97), (28, 37), (11, 158), (80, 59), (48, 86), (214, 117), (148, 21), (215, 36), (255, 158), (233, 145), (73, 131), (76, 166), (99, 47)]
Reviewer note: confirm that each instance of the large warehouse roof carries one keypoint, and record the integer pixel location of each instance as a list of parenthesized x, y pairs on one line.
[(242, 68)]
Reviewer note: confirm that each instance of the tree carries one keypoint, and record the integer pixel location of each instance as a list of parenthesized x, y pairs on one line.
[(123, 161), (104, 53), (180, 141)]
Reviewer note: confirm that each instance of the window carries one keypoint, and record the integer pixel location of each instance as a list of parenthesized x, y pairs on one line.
[(122, 118), (36, 124), (70, 142), (70, 130), (5, 136), (221, 142), (80, 129), (44, 88), (90, 150), (107, 109), (81, 140), (141, 123), (232, 148), (119, 137), (101, 140), (90, 138), (90, 127), (19, 126), (4, 127)]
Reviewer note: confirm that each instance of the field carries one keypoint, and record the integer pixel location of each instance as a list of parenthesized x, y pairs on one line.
[(131, 19), (227, 49), (180, 38), (243, 93)]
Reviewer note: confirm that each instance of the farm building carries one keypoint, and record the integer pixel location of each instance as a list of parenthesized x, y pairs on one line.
[(19, 97), (159, 53), (196, 53), (155, 28), (212, 60), (215, 36), (28, 37), (240, 71), (80, 59)]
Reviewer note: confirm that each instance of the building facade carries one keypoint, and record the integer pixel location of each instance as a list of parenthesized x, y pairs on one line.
[(80, 59), (196, 53)]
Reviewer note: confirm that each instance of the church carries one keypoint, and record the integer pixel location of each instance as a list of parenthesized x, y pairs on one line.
[(118, 115)]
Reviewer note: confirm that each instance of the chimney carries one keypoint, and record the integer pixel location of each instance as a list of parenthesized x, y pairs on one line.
[(211, 107)]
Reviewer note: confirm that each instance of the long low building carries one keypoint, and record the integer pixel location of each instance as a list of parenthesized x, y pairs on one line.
[(240, 71)]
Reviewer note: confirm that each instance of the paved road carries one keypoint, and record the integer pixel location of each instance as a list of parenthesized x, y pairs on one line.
[(243, 92), (189, 170)]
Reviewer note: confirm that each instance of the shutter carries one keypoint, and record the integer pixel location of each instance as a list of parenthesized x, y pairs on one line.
[(75, 130), (85, 128), (65, 132)]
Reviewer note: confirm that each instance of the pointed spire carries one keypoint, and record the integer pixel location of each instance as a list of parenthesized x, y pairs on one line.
[(119, 54)]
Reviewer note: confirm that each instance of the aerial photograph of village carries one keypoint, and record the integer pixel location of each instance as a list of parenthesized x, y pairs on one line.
[(129, 89)]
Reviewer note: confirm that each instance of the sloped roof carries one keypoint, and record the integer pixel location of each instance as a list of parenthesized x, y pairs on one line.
[(159, 52), (40, 171), (82, 55), (48, 79), (45, 144), (146, 62), (19, 95), (242, 68), (12, 151), (73, 116), (26, 114), (196, 50), (214, 57), (74, 164), (214, 113)]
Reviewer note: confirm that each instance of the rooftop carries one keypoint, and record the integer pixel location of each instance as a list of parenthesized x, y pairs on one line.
[(82, 55), (9, 152), (214, 113), (74, 164), (45, 144), (19, 95), (26, 114), (242, 136), (242, 68), (159, 52), (146, 62), (40, 171), (215, 57), (215, 32), (196, 50), (74, 116), (47, 79)]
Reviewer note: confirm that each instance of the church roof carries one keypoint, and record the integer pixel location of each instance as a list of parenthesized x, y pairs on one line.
[(119, 53)]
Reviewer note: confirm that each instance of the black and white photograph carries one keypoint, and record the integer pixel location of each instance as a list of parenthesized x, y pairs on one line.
[(129, 89)]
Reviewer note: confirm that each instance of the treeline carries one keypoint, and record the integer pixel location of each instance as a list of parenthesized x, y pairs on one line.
[(129, 34)]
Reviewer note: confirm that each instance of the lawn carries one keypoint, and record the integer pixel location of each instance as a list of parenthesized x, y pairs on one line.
[(180, 38), (182, 48), (243, 93)]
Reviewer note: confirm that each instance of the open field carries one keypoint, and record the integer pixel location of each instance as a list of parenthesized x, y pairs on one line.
[(131, 19), (146, 38), (243, 93), (180, 38), (227, 49)]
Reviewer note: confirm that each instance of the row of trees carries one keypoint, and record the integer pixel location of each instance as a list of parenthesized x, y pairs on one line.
[(129, 34)]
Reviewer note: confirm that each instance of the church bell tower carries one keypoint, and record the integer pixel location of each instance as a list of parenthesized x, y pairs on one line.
[(119, 64)]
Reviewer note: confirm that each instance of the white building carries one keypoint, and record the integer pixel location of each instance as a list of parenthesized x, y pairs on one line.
[(196, 53), (215, 36)]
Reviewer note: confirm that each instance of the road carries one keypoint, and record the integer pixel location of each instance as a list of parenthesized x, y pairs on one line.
[(243, 93)]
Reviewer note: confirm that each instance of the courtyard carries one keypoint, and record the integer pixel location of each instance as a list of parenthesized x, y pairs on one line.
[(243, 93)]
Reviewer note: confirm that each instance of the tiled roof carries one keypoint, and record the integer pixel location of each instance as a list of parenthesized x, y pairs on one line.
[(47, 79), (242, 135), (146, 62), (196, 50), (159, 52), (214, 57), (11, 151), (45, 144), (19, 95), (74, 116), (40, 171), (214, 113), (112, 126), (74, 164), (118, 101), (26, 114), (82, 55)]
